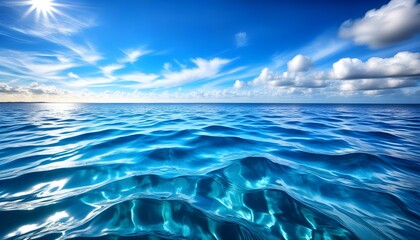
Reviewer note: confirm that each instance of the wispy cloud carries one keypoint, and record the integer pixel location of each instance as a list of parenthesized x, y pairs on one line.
[(326, 48), (132, 55), (33, 64), (86, 52), (241, 39), (139, 77), (109, 69), (90, 82), (60, 31), (322, 48), (203, 69)]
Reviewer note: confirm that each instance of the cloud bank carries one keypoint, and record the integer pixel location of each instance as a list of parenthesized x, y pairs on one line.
[(375, 84), (403, 64)]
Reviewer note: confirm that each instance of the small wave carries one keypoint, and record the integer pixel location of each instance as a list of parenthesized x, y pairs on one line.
[(209, 171)]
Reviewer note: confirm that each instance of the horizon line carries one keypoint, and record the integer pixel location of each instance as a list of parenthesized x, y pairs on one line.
[(288, 103)]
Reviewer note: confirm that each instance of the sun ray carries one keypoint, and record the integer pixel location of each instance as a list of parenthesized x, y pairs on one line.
[(42, 9)]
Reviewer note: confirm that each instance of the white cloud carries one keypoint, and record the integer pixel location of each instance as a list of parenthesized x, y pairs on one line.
[(322, 47), (403, 64), (33, 88), (62, 23), (268, 78), (239, 84), (38, 92), (299, 64), (5, 88), (181, 65), (296, 76), (36, 88), (397, 21), (130, 80), (132, 55), (138, 77), (376, 74), (265, 78), (73, 75), (85, 52), (32, 64), (60, 30), (109, 69), (375, 84), (167, 66), (204, 69), (241, 39)]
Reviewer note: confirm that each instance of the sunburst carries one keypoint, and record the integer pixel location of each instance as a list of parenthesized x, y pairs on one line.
[(44, 9)]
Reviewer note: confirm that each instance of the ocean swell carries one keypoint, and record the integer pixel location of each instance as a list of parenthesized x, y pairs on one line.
[(209, 171)]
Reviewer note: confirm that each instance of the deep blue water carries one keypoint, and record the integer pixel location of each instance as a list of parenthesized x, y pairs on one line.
[(209, 171)]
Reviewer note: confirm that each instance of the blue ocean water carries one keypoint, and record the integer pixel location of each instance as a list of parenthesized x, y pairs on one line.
[(209, 171)]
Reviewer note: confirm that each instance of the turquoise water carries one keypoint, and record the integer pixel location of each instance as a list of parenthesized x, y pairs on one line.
[(209, 171)]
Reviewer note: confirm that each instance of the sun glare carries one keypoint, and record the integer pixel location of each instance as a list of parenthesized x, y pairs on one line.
[(43, 8)]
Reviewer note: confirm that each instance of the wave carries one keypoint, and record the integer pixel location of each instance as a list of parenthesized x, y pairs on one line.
[(208, 171)]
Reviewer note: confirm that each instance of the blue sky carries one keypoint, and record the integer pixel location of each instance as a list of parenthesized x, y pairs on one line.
[(210, 51)]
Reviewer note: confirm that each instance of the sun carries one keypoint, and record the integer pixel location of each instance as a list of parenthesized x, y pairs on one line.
[(44, 9)]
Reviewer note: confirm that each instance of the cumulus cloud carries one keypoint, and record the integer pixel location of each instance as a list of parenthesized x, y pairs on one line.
[(346, 75), (239, 84), (33, 88), (36, 88), (403, 64), (397, 21), (375, 84), (299, 64), (296, 76), (241, 39), (5, 88), (268, 78)]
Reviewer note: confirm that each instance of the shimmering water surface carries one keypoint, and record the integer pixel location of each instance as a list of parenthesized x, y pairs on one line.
[(209, 171)]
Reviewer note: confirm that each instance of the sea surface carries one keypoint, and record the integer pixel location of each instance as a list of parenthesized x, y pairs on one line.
[(209, 171)]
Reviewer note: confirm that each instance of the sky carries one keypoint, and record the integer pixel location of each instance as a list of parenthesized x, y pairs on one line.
[(291, 51)]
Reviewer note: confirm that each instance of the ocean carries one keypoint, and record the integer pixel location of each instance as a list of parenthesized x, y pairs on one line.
[(209, 171)]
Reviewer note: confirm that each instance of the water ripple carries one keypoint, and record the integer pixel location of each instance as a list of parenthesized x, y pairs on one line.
[(209, 171)]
